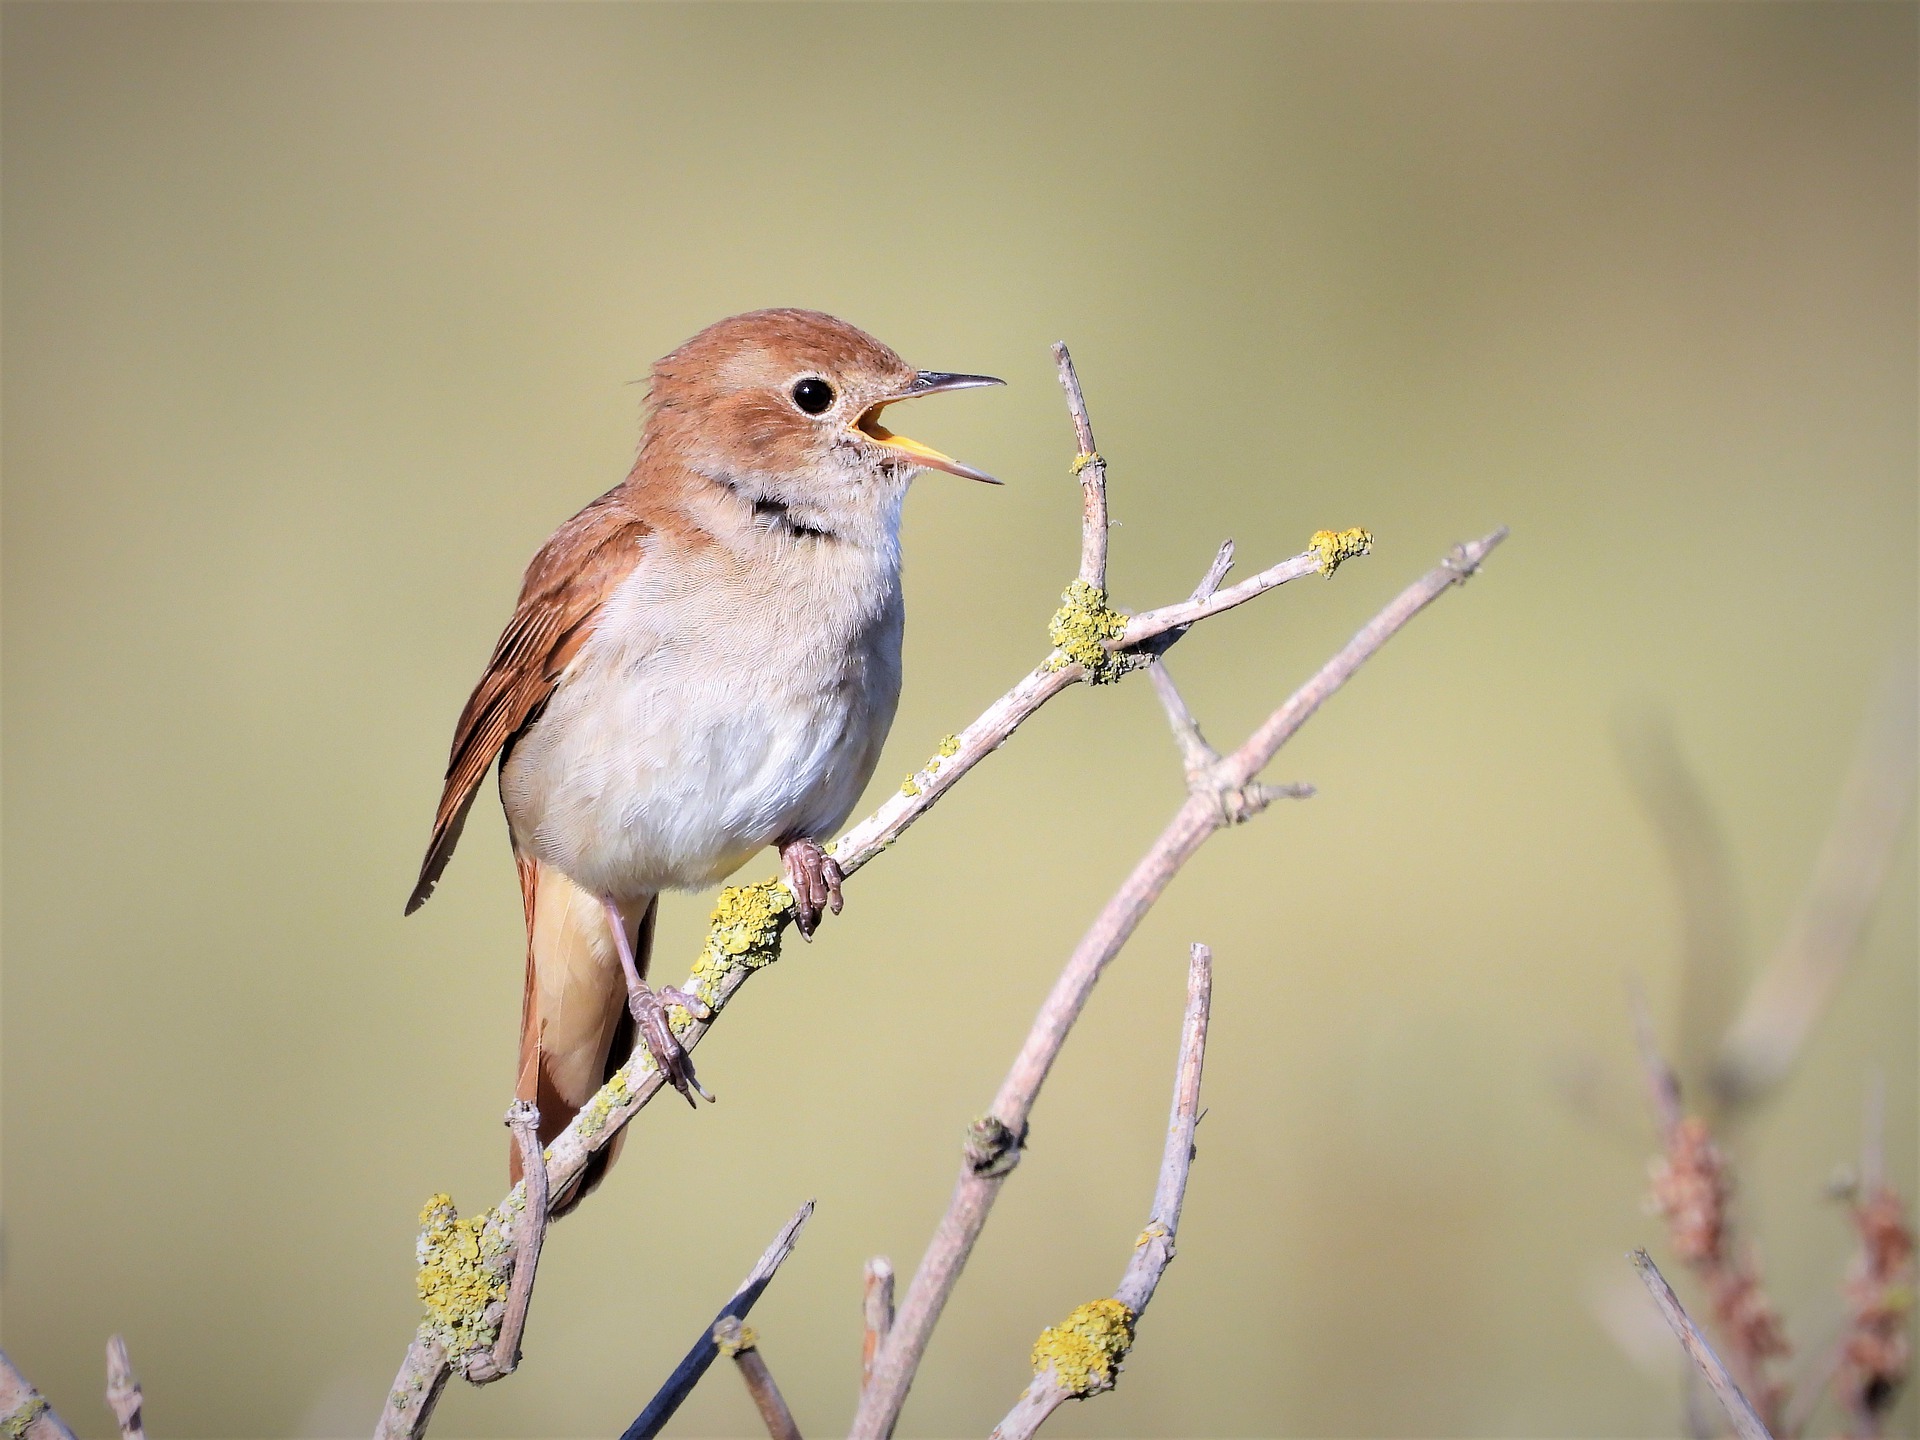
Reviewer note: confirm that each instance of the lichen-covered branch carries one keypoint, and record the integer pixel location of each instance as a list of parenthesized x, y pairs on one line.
[(1746, 1424), (1083, 1356), (1091, 470), (741, 1345), (523, 1119), (24, 1411), (993, 1146)]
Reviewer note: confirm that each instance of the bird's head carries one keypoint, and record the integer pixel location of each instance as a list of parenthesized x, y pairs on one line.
[(783, 407)]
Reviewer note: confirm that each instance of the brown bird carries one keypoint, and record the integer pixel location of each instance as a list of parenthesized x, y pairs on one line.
[(703, 662)]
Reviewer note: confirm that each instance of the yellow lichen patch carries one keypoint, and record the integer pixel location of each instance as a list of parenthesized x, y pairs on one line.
[(1334, 546), (612, 1096), (1087, 1347), (911, 786), (743, 934), (462, 1272), (16, 1425), (1080, 630)]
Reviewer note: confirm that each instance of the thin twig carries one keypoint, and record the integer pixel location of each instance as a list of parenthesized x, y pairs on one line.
[(876, 1313), (1196, 755), (1092, 472), (1216, 572), (1746, 1424), (24, 1411), (523, 1118), (1151, 624), (1794, 989), (687, 1374), (1154, 1250), (994, 1144), (123, 1392), (732, 1338)]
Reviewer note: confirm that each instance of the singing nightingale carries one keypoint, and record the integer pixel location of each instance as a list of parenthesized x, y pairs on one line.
[(704, 661)]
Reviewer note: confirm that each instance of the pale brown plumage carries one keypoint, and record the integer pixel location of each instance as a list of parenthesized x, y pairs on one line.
[(643, 739), (565, 586)]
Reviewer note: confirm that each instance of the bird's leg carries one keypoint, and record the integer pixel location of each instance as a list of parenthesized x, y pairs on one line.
[(814, 879), (650, 1015)]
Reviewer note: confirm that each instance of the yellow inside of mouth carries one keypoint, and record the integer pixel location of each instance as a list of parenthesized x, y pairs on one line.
[(869, 425)]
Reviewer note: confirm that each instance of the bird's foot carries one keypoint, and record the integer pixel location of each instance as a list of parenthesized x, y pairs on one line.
[(697, 1008), (670, 1057), (814, 878)]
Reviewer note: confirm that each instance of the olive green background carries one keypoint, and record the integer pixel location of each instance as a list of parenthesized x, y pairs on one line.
[(318, 319)]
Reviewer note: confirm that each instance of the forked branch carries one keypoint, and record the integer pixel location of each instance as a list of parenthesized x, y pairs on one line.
[(652, 1420), (1071, 1366), (994, 1143), (750, 920)]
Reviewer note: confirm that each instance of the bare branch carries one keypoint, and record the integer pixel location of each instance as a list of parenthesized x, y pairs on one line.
[(1154, 1250), (123, 1392), (1746, 1424), (1216, 572), (733, 1339), (1794, 989), (994, 1145), (1092, 472), (877, 1313), (1196, 755), (24, 1411), (652, 1420), (523, 1119), (1150, 624)]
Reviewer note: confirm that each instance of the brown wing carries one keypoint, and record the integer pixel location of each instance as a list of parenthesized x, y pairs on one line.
[(560, 600)]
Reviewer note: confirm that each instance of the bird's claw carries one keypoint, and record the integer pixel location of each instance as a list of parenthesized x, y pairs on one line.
[(814, 878), (656, 1033)]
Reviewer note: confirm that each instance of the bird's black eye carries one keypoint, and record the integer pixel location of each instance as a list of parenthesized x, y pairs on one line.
[(813, 395)]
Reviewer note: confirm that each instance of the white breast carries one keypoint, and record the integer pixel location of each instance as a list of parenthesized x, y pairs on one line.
[(724, 702)]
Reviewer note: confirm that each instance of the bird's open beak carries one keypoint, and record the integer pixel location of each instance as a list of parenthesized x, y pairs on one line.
[(927, 382)]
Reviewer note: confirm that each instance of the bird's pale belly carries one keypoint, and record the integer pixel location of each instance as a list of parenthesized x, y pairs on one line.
[(669, 770)]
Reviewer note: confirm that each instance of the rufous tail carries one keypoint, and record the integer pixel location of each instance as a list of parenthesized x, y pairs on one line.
[(575, 1028)]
